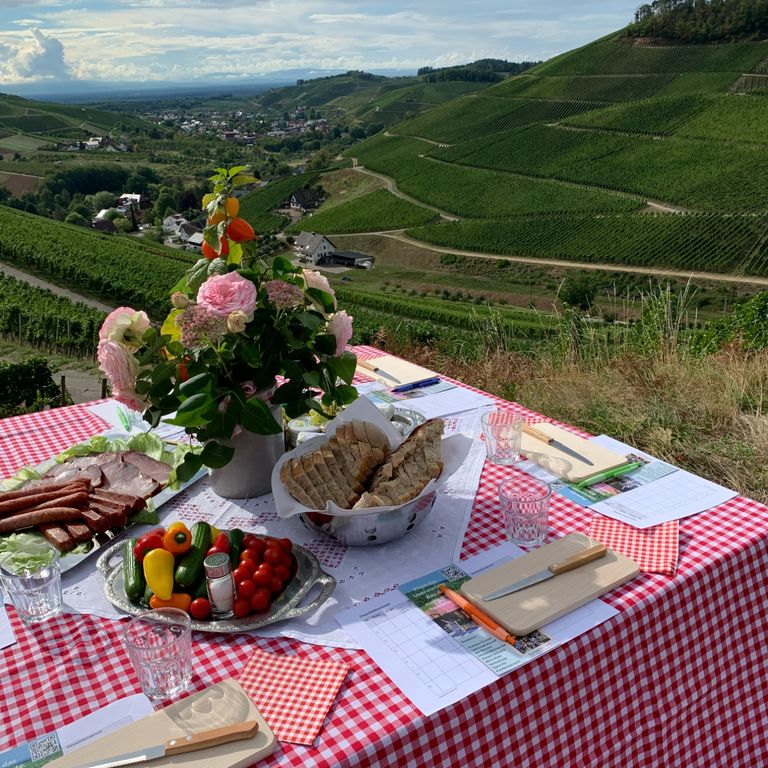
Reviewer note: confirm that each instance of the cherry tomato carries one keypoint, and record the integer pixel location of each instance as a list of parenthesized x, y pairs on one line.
[(247, 565), (245, 589), (282, 572), (200, 608), (285, 544), (276, 585), (261, 599), (246, 554), (240, 574), (241, 608), (215, 551), (247, 539), (273, 556), (263, 575), (257, 545)]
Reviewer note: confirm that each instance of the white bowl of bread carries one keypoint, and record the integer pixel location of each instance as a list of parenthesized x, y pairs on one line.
[(362, 483)]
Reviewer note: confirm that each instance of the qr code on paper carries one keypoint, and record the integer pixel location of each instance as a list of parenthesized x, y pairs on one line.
[(45, 746), (453, 573)]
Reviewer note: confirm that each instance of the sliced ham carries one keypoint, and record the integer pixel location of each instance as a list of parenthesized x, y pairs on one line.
[(76, 468), (148, 466), (126, 478)]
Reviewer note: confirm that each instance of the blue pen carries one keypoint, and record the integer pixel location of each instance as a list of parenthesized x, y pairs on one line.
[(417, 385)]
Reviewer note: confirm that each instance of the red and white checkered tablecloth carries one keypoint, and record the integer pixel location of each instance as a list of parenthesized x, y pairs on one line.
[(678, 678)]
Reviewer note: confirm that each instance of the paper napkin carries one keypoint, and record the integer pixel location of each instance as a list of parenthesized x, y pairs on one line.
[(294, 694), (654, 549)]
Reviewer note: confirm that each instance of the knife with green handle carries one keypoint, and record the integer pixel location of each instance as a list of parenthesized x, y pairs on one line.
[(574, 561), (181, 744)]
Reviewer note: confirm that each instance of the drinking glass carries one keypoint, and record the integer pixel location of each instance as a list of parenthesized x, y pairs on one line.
[(503, 431), (33, 582), (159, 645), (525, 504)]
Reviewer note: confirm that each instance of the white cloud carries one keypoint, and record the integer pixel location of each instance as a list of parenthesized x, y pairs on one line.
[(36, 57)]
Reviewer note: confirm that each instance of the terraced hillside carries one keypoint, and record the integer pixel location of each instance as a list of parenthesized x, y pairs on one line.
[(563, 160), (27, 124)]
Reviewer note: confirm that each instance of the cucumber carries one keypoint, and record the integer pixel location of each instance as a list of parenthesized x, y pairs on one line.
[(147, 595), (235, 546), (133, 573), (190, 568), (200, 589)]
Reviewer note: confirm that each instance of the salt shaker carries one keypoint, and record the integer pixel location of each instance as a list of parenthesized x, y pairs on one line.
[(220, 585)]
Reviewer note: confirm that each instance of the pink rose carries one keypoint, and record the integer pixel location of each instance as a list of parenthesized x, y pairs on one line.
[(224, 294), (340, 325), (120, 367), (314, 279), (124, 326)]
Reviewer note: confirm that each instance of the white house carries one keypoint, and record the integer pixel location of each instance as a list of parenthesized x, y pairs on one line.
[(172, 224), (313, 248)]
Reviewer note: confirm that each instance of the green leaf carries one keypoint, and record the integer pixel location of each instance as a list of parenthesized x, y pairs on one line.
[(196, 384), (343, 366), (257, 417), (323, 299), (224, 424), (346, 394), (242, 179), (282, 266), (216, 454), (189, 467), (312, 378), (310, 320), (191, 412), (148, 443), (235, 255), (232, 172), (249, 353), (326, 343)]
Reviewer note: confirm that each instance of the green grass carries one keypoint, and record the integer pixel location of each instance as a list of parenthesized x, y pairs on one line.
[(730, 118), (19, 143), (256, 207)]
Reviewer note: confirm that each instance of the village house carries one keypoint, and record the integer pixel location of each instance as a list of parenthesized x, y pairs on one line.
[(172, 224), (317, 249), (187, 229), (304, 200), (128, 200)]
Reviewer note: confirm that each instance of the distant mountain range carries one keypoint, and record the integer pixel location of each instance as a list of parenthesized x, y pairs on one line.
[(84, 91)]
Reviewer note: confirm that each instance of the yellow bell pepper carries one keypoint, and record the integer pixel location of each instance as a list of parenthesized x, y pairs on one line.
[(158, 571), (214, 533)]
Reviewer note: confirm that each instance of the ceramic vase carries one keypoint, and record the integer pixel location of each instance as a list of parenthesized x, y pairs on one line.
[(249, 473)]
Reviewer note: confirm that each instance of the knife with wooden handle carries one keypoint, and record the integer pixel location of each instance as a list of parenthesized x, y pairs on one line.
[(539, 435), (181, 744), (555, 569)]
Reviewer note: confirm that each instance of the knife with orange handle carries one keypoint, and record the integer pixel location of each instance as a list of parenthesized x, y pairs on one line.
[(555, 569), (539, 435)]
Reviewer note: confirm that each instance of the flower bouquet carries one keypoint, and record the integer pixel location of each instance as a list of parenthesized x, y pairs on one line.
[(242, 337)]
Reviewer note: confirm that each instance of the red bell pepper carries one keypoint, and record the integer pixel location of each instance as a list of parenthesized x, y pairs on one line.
[(220, 545), (150, 540)]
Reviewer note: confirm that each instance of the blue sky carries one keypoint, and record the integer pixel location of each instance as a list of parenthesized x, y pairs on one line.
[(183, 40)]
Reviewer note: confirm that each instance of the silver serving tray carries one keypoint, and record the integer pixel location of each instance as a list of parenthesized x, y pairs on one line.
[(287, 606)]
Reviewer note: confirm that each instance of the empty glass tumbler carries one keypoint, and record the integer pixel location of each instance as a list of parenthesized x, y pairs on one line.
[(525, 504), (33, 582), (159, 645), (502, 431)]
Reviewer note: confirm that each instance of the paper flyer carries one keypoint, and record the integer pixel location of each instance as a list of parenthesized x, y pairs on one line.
[(498, 656)]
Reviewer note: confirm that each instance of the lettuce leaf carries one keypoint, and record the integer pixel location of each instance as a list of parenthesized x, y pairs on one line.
[(149, 444), (25, 552)]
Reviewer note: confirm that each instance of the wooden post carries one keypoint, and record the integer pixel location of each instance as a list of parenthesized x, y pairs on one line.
[(103, 388), (63, 387)]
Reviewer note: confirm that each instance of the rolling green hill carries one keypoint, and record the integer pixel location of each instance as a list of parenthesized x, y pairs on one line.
[(368, 99), (48, 122), (563, 160)]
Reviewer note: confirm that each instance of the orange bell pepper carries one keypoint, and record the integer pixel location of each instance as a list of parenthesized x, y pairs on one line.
[(178, 600), (177, 539)]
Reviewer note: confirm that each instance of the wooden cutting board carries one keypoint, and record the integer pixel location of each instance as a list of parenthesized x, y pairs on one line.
[(222, 704), (531, 608), (563, 465)]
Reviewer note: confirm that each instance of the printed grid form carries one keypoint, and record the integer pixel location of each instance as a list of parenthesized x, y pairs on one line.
[(677, 679), (654, 549), (294, 694)]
